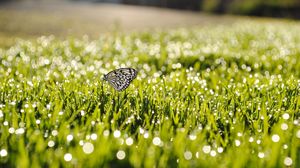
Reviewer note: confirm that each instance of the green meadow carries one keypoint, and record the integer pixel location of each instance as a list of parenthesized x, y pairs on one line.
[(212, 96)]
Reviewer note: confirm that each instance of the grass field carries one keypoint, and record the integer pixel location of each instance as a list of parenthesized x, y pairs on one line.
[(215, 96)]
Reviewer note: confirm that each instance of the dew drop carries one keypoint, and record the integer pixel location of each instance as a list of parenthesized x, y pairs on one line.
[(54, 132), (121, 154), (286, 116), (117, 134), (156, 141), (206, 149), (275, 138), (48, 106), (146, 135), (94, 136), (88, 148), (51, 143), (288, 161), (258, 141), (11, 130), (188, 155), (220, 149), (284, 126), (141, 130), (261, 155), (237, 143), (192, 137), (129, 141), (81, 143), (251, 139), (20, 131), (68, 157), (106, 133), (298, 134), (213, 153), (69, 138), (3, 153)]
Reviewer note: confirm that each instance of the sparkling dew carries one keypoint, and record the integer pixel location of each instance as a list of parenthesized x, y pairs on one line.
[(121, 155), (288, 161), (68, 157), (88, 148), (275, 138)]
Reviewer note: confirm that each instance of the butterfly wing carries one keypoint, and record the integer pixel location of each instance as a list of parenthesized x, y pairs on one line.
[(121, 78)]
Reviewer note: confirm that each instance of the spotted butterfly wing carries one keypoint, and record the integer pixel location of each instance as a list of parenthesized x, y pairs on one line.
[(121, 78)]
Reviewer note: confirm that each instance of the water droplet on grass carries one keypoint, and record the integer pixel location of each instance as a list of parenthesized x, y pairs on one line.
[(288, 161), (261, 155), (296, 122), (54, 132), (88, 148), (68, 157), (51, 143), (237, 143), (286, 116), (11, 130), (81, 143), (275, 138), (284, 126), (188, 155), (298, 134), (206, 149), (129, 141), (141, 130), (94, 136), (106, 133), (48, 106), (156, 141), (82, 112), (146, 135), (192, 137), (121, 155), (213, 153), (117, 134), (258, 141), (251, 139), (220, 149), (20, 131), (3, 153), (69, 138)]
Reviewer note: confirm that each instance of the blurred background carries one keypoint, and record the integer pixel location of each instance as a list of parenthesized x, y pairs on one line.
[(62, 18), (271, 8)]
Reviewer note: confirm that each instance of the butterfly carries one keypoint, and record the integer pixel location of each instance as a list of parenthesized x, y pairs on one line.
[(121, 78)]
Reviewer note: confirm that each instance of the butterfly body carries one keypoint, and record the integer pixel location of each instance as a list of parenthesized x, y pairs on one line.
[(121, 78)]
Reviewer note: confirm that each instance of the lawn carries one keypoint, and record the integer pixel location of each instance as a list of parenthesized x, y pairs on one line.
[(212, 96)]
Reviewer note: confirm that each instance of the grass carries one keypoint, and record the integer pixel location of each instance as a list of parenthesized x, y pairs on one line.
[(222, 96)]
